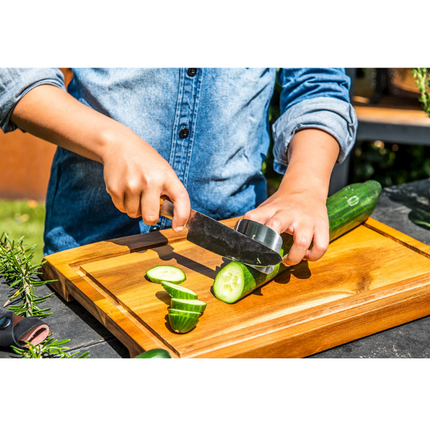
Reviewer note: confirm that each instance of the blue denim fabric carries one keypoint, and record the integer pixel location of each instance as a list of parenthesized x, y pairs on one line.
[(219, 162)]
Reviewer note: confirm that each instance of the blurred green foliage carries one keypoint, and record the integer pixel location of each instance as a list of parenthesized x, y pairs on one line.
[(24, 218), (422, 78), (389, 164)]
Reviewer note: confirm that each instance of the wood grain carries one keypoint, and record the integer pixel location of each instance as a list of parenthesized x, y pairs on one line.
[(370, 279)]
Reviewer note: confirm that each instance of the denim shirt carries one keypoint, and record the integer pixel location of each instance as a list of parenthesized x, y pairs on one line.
[(211, 125)]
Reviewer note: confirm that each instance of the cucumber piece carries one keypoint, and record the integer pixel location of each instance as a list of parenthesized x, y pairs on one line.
[(346, 209), (182, 324), (155, 353), (178, 291), (351, 206), (188, 305), (185, 313), (237, 280), (172, 274)]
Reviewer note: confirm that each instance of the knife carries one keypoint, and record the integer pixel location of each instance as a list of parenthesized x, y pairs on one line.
[(218, 238)]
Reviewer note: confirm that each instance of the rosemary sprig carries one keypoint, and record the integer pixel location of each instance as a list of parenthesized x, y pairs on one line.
[(49, 348), (422, 79), (18, 270), (21, 274)]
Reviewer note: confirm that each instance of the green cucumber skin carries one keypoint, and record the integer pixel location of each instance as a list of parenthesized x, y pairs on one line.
[(342, 218), (182, 324), (178, 294), (154, 353), (253, 279), (184, 313), (367, 186), (184, 306)]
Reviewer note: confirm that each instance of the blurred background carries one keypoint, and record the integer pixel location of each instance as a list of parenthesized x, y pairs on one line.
[(392, 147)]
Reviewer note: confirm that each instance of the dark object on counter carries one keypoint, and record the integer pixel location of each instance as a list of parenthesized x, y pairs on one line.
[(16, 330)]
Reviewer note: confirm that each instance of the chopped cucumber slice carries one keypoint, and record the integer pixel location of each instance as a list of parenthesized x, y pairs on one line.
[(188, 305), (185, 313), (178, 291), (166, 273), (182, 324)]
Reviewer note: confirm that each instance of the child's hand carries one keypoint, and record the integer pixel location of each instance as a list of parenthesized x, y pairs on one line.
[(302, 214), (299, 206), (136, 176)]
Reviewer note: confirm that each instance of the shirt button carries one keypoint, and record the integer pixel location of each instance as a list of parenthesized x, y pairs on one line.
[(191, 72), (183, 134), (154, 228)]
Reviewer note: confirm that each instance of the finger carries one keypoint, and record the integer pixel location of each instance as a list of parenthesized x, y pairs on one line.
[(178, 195), (132, 201), (150, 206), (303, 234), (320, 243), (117, 196), (281, 221), (261, 214)]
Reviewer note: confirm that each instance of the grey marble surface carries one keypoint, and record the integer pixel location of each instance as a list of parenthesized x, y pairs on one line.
[(395, 208)]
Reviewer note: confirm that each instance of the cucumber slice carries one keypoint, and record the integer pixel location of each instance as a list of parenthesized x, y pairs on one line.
[(166, 273), (185, 313), (155, 353), (230, 282), (188, 305), (182, 324), (178, 291)]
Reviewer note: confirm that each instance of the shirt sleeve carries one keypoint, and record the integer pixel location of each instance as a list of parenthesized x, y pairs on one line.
[(16, 83), (313, 98)]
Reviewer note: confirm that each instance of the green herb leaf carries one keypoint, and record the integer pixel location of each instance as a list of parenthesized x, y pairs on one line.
[(15, 267)]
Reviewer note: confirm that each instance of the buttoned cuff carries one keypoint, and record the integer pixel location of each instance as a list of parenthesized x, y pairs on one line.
[(325, 113), (16, 83)]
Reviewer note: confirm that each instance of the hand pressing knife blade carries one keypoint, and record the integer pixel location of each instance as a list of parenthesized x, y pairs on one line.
[(220, 239)]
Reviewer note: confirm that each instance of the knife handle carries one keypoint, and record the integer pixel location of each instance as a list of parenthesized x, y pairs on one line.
[(166, 208)]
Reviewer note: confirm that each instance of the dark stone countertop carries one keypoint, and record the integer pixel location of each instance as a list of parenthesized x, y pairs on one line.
[(395, 206)]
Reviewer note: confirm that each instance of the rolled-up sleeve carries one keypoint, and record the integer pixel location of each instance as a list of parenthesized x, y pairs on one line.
[(16, 83), (313, 98)]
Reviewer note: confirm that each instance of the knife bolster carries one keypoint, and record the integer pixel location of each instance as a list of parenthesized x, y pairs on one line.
[(166, 208)]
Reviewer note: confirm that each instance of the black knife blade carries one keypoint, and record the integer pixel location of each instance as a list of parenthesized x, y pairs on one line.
[(223, 240)]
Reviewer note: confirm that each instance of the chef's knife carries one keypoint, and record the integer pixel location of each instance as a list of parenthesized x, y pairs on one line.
[(220, 239)]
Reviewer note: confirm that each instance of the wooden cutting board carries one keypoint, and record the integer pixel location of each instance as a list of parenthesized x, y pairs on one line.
[(370, 279)]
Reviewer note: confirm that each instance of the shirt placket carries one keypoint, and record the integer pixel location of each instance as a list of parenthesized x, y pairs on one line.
[(190, 81)]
